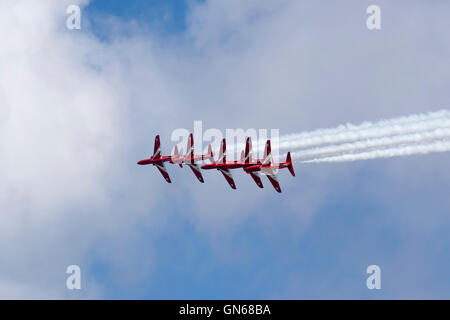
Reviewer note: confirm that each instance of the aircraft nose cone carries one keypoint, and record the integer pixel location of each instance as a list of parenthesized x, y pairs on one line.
[(139, 162)]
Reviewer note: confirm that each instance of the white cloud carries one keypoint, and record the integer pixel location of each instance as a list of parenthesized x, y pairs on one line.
[(75, 113), (63, 148)]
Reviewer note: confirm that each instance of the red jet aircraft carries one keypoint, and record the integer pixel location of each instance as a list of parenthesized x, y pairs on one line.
[(268, 168), (250, 166), (246, 161), (158, 160), (190, 158), (222, 165)]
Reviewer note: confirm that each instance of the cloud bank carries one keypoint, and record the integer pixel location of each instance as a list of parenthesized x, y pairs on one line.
[(77, 112)]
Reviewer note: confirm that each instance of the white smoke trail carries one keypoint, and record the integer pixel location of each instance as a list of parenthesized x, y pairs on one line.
[(351, 133), (373, 132), (366, 137), (371, 144), (391, 124), (424, 148)]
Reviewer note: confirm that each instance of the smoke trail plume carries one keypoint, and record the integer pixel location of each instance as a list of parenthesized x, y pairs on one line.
[(424, 148), (366, 133), (368, 129), (373, 144), (369, 138)]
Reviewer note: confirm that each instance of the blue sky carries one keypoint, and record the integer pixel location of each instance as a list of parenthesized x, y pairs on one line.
[(265, 257), (165, 16), (97, 97)]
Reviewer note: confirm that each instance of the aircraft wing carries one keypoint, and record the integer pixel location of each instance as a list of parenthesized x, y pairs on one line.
[(163, 171), (257, 179), (274, 181), (196, 170), (227, 174)]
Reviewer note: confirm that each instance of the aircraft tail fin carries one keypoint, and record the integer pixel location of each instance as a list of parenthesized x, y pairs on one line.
[(190, 149), (267, 154), (175, 158), (248, 150), (211, 155), (157, 149), (289, 162), (223, 152)]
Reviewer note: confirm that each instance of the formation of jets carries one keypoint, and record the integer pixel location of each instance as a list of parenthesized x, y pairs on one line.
[(251, 166)]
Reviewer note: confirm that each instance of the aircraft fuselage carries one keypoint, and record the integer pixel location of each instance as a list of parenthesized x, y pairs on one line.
[(155, 161), (254, 168), (229, 165)]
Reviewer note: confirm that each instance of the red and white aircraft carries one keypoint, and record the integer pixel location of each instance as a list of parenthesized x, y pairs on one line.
[(190, 158), (246, 161), (158, 160), (269, 168), (250, 166), (222, 165)]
